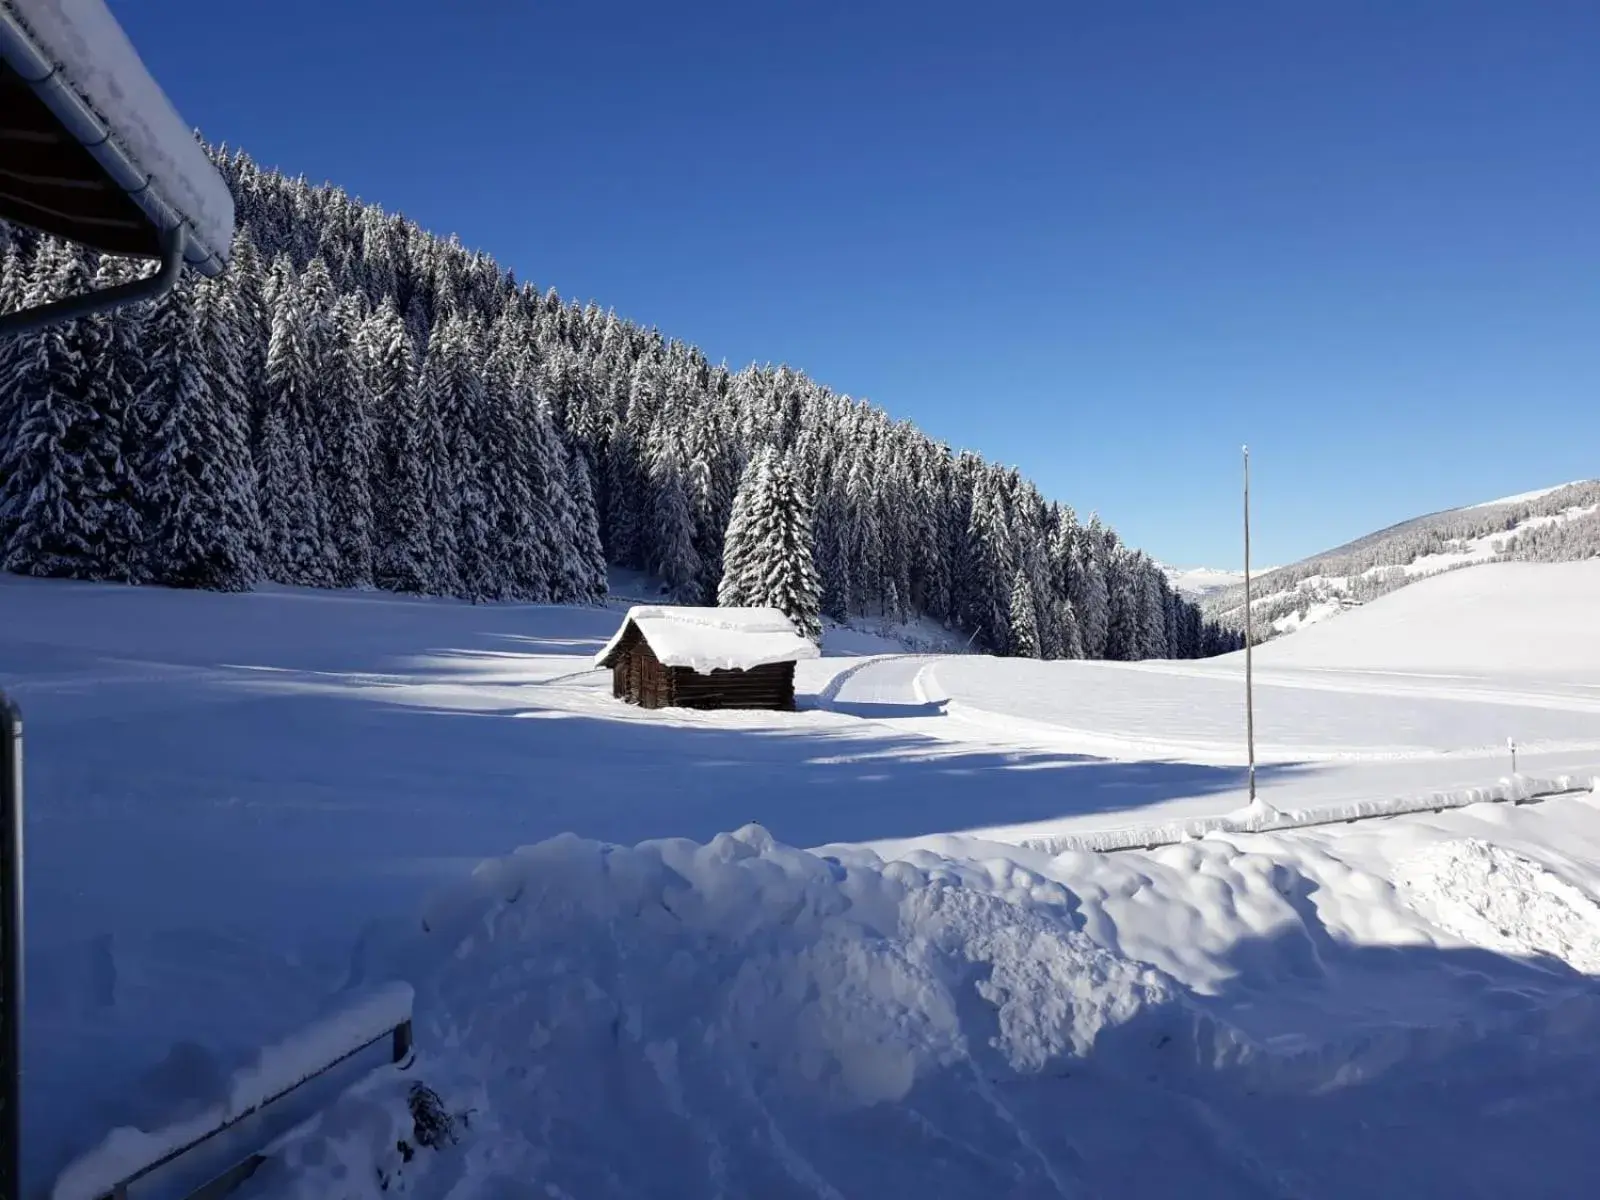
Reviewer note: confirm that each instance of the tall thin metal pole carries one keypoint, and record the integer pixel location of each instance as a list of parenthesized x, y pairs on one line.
[(1249, 638), (10, 950)]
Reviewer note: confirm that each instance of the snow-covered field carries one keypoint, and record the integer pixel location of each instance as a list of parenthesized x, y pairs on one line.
[(240, 805)]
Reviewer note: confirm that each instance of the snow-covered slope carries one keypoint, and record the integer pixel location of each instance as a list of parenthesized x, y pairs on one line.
[(1202, 581), (1554, 524), (1529, 618)]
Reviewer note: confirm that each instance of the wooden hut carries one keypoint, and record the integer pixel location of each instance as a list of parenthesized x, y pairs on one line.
[(705, 658)]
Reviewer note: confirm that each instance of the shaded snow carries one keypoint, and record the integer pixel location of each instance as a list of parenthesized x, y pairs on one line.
[(275, 1069), (742, 1018)]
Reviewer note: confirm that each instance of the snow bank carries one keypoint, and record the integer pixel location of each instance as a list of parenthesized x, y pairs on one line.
[(277, 1069), (95, 56), (713, 639), (1514, 618), (1263, 818), (1488, 895), (743, 1018)]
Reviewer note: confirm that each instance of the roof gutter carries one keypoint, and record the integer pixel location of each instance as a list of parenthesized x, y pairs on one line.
[(152, 287), (18, 48)]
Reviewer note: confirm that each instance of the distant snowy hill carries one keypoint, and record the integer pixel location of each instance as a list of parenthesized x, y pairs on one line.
[(1202, 581), (1510, 617), (1551, 525)]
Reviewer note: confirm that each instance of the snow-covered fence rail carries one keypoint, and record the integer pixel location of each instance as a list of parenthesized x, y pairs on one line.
[(1517, 790), (211, 1152)]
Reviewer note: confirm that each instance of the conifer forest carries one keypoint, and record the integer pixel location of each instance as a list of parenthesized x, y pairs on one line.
[(356, 403)]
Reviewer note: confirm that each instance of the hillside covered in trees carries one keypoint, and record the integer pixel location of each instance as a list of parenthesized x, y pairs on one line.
[(1559, 524), (358, 404)]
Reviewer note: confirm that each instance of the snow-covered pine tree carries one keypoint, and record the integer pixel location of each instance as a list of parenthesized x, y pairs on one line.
[(737, 581), (348, 440), (513, 470), (777, 568), (991, 561), (199, 513), (588, 553), (1152, 602), (403, 549), (1022, 619), (14, 278), (674, 558), (1069, 634), (624, 487), (1090, 595), (449, 399), (52, 504), (115, 352), (285, 452)]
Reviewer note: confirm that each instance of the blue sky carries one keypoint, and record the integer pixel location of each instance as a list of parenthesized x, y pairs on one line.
[(1105, 242)]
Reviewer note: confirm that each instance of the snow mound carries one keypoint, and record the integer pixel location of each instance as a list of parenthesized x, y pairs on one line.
[(1515, 618), (733, 1018), (713, 639), (743, 1018), (1491, 896)]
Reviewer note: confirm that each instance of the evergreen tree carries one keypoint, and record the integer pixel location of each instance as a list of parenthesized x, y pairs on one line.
[(403, 558), (441, 496), (349, 441), (1023, 619), (1070, 635), (674, 557), (1152, 602), (776, 568), (114, 354), (737, 581), (1090, 599), (199, 513), (52, 507), (292, 529), (588, 552), (516, 463)]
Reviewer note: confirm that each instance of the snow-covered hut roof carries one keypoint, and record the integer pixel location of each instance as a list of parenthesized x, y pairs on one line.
[(712, 639)]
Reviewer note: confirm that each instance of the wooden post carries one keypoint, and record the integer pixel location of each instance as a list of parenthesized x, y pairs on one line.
[(1249, 638)]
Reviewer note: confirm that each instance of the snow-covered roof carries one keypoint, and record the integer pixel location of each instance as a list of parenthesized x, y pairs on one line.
[(713, 639), (150, 152)]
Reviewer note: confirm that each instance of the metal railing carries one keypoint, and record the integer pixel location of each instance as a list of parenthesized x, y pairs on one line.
[(10, 949)]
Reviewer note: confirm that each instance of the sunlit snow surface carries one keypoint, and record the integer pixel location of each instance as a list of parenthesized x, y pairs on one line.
[(240, 805)]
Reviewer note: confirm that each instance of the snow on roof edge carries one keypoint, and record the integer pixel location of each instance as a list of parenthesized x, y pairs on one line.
[(709, 639), (91, 53)]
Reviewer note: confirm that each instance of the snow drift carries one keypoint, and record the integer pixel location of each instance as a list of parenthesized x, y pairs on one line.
[(741, 1018)]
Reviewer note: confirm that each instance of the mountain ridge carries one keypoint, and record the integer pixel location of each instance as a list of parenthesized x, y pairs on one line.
[(1560, 523)]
